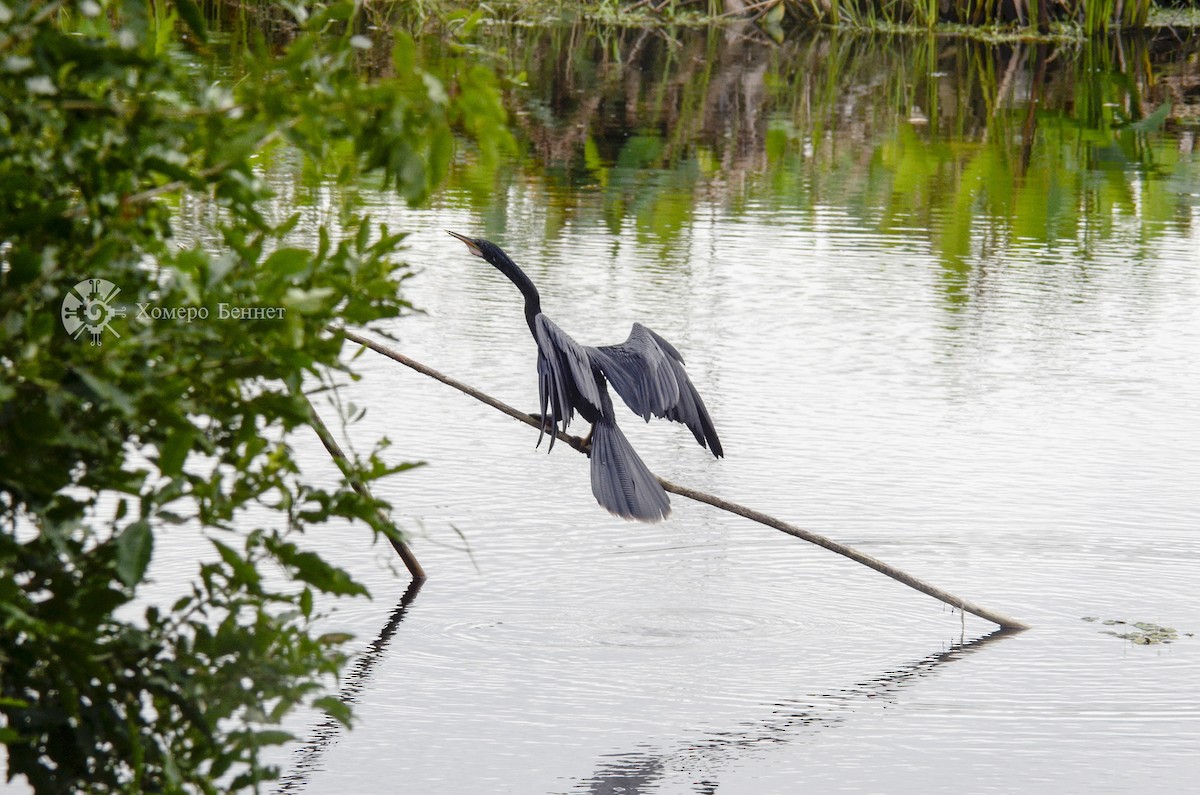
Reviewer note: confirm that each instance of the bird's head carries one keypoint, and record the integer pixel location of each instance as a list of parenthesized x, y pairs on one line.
[(478, 246), (493, 254)]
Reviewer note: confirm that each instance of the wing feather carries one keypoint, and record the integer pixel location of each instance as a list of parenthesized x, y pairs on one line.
[(569, 358), (552, 401), (564, 369), (647, 372)]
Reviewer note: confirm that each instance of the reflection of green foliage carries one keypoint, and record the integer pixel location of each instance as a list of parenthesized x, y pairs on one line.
[(1050, 175), (1093, 16), (574, 105), (1059, 167), (986, 147), (640, 151)]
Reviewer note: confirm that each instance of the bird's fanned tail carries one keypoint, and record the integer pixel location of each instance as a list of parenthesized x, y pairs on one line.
[(621, 482)]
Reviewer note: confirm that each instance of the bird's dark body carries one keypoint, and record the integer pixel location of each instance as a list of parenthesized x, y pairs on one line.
[(645, 370)]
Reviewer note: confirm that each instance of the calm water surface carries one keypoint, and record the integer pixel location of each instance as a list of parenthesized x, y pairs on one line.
[(943, 302)]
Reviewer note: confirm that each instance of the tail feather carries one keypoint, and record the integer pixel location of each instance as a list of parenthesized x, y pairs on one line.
[(621, 482)]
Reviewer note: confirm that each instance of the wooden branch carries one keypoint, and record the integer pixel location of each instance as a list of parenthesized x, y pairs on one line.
[(1004, 621), (339, 458), (850, 552)]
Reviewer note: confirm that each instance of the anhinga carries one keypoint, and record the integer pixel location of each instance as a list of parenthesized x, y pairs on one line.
[(645, 370)]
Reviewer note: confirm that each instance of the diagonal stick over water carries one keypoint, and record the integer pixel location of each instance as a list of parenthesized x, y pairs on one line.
[(692, 494)]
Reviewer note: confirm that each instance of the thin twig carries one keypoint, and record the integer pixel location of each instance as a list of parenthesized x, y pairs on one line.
[(335, 452), (692, 494)]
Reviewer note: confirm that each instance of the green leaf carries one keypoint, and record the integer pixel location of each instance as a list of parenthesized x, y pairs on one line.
[(404, 53), (174, 451), (334, 12), (135, 546), (288, 262), (242, 569), (335, 638), (272, 737), (334, 708), (308, 302), (106, 392), (287, 226), (324, 576)]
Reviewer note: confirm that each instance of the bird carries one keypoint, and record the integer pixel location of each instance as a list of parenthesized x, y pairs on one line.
[(646, 371)]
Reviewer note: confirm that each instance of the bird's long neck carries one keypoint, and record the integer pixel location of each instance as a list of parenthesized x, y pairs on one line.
[(533, 301)]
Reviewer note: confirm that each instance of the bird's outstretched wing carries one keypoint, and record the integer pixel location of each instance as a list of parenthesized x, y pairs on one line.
[(647, 372), (564, 370)]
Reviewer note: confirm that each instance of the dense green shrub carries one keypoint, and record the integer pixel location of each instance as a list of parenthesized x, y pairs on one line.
[(179, 414)]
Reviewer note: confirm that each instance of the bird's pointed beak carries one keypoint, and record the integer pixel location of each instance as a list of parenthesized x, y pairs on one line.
[(474, 249)]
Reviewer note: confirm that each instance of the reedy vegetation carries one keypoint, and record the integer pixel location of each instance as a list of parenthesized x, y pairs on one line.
[(1064, 17)]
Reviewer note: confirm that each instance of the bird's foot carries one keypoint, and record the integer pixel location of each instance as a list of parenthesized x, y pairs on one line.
[(583, 444)]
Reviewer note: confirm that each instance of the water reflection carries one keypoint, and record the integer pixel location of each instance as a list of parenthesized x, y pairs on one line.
[(627, 774), (976, 148), (307, 757), (639, 770)]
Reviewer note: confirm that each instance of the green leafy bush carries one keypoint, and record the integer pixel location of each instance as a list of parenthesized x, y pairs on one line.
[(182, 413)]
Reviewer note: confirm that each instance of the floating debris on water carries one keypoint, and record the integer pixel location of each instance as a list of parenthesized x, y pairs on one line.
[(1141, 633)]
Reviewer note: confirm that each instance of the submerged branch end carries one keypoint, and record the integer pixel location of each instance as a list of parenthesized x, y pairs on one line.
[(339, 458)]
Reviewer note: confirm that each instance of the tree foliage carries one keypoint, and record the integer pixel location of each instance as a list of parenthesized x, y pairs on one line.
[(182, 417)]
